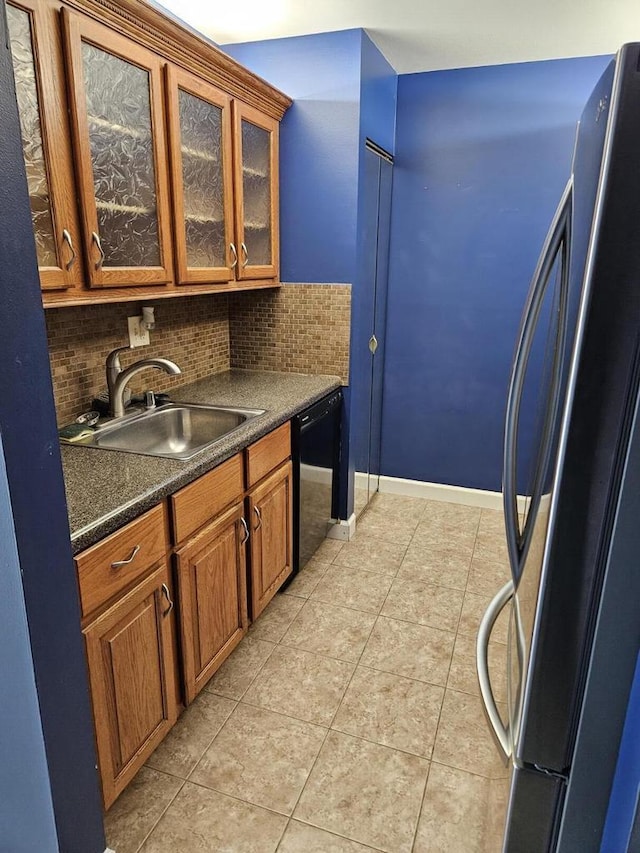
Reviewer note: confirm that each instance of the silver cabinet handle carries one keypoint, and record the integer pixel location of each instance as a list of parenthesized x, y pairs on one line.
[(126, 562), (259, 517), (499, 729), (245, 527), (245, 253), (66, 236), (167, 595), (96, 240), (373, 344), (235, 255)]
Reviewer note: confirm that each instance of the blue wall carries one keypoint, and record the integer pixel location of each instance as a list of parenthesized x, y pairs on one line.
[(26, 810), (482, 156), (378, 106), (626, 784), (344, 91), (318, 149)]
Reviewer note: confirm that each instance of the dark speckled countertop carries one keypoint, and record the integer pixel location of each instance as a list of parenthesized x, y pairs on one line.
[(106, 489)]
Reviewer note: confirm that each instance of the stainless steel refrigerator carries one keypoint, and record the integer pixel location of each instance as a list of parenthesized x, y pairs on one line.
[(568, 433)]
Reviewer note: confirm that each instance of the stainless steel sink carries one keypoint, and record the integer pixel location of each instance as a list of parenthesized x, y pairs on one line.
[(173, 431)]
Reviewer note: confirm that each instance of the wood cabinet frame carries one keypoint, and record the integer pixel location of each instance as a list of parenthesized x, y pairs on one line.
[(109, 697), (56, 150), (183, 80), (201, 622), (79, 29), (265, 530), (245, 269), (124, 622), (152, 32)]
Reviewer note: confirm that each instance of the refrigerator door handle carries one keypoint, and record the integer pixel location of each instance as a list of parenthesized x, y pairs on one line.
[(557, 236), (500, 731)]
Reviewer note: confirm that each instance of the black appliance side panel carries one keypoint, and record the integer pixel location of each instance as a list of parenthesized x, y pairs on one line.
[(611, 673), (606, 386), (315, 441), (535, 805)]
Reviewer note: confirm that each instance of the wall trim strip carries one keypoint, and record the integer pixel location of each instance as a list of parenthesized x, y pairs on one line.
[(443, 492)]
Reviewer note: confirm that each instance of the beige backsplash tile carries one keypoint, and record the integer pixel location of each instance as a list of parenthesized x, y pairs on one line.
[(193, 332), (300, 328)]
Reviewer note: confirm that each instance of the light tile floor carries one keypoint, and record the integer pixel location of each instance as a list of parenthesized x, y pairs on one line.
[(349, 719)]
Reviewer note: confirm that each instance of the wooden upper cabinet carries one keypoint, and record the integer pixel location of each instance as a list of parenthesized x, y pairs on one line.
[(201, 171), (256, 192), (37, 63), (115, 88)]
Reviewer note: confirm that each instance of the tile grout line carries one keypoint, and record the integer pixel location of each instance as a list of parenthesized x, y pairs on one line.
[(164, 811), (437, 728), (426, 781), (188, 779), (422, 799), (337, 834), (459, 617), (329, 729)]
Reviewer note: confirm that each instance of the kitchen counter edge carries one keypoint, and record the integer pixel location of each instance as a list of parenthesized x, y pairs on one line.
[(107, 489)]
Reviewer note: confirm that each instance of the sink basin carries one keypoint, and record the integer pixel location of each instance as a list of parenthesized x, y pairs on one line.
[(173, 431)]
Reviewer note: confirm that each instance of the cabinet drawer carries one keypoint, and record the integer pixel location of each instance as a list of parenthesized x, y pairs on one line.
[(268, 453), (202, 500), (116, 562)]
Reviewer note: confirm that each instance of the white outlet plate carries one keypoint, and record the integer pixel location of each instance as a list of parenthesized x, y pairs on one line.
[(138, 335)]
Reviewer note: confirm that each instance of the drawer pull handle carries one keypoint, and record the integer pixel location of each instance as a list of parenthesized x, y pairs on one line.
[(259, 517), (167, 595), (246, 531), (119, 563)]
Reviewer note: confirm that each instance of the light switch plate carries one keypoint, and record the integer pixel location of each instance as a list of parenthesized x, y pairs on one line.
[(138, 335)]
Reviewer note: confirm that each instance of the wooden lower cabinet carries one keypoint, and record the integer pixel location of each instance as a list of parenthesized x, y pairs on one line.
[(127, 596), (211, 572), (132, 675), (270, 505)]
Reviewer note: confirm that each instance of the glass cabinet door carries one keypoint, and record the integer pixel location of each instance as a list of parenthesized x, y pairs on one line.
[(47, 155), (200, 143), (117, 105), (256, 192)]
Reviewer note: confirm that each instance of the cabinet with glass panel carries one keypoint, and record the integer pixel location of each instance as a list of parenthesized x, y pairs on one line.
[(256, 188), (116, 104), (36, 53), (175, 186), (226, 220)]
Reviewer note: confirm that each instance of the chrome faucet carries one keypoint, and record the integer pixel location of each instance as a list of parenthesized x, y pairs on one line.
[(117, 378)]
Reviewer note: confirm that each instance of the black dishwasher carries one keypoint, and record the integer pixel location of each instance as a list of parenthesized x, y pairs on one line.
[(315, 441)]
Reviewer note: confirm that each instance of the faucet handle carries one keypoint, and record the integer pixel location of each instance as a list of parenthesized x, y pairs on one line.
[(113, 358), (149, 400)]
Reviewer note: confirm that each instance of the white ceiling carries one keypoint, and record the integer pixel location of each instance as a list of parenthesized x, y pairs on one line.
[(424, 35)]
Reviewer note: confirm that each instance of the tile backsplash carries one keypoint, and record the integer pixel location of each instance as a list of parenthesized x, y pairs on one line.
[(193, 332), (300, 328)]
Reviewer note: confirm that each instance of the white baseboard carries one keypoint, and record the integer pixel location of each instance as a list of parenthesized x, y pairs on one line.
[(443, 492), (343, 530)]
